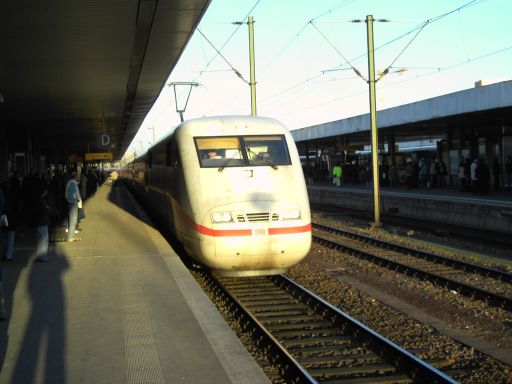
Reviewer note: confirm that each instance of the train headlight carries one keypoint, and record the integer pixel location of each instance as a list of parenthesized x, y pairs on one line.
[(289, 214), (221, 217)]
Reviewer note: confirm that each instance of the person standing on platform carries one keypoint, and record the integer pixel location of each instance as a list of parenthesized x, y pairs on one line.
[(11, 194), (409, 174), (41, 220), (474, 177), (482, 177), (496, 170), (73, 199), (92, 183), (508, 172), (393, 175), (367, 177), (463, 178), (337, 172), (83, 186)]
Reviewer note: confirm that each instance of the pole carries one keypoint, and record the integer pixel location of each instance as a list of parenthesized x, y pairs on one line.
[(373, 121), (253, 74)]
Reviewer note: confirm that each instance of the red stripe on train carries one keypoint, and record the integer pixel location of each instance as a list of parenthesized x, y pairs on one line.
[(289, 230), (248, 232)]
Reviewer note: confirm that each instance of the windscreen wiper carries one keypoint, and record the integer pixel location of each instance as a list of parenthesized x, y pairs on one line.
[(228, 160), (258, 155)]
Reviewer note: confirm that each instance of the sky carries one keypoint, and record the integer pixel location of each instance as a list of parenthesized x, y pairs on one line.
[(311, 60)]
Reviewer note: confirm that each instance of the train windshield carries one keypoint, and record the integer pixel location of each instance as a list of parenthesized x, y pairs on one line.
[(236, 151)]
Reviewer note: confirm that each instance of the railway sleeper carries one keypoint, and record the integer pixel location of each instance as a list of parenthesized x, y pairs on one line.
[(273, 307), (278, 313), (393, 379), (282, 301), (251, 298), (278, 318), (440, 363), (304, 326), (301, 333), (302, 318), (353, 371), (336, 350), (330, 341), (366, 358)]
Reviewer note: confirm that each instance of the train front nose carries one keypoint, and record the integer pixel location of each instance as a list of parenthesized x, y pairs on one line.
[(256, 241)]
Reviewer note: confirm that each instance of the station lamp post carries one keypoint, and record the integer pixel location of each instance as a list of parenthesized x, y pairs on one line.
[(181, 108)]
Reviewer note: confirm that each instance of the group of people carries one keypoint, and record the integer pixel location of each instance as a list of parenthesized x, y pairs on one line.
[(474, 174), (40, 204)]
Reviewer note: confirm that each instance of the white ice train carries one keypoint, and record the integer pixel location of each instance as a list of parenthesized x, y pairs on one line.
[(231, 190)]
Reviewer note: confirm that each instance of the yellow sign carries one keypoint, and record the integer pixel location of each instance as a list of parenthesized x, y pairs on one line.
[(99, 156)]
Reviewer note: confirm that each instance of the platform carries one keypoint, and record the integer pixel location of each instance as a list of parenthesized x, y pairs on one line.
[(492, 212), (116, 307)]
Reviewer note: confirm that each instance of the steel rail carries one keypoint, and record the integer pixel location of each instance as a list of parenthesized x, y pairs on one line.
[(487, 236), (467, 290), (402, 361), (462, 265), (291, 368)]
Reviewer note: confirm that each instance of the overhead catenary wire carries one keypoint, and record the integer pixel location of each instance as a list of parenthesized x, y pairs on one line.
[(419, 27), (293, 38), (204, 70), (435, 70), (339, 53), (223, 58), (289, 90), (385, 72), (238, 25), (415, 29)]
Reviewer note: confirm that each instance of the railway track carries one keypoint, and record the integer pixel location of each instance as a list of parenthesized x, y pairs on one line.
[(491, 285), (487, 237), (312, 341)]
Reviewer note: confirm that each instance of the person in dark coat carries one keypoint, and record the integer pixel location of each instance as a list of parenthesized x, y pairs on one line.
[(11, 190), (482, 177), (496, 170), (92, 183), (41, 220)]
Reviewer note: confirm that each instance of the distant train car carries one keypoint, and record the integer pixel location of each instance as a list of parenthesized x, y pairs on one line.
[(231, 190)]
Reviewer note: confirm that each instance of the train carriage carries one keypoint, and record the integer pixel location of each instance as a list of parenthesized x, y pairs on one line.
[(232, 191)]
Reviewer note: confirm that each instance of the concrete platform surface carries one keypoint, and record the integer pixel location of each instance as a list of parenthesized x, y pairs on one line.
[(492, 212), (116, 307)]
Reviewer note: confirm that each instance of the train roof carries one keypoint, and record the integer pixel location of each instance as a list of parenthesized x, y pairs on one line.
[(221, 125)]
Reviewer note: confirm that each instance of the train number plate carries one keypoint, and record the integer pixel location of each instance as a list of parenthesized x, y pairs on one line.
[(259, 231)]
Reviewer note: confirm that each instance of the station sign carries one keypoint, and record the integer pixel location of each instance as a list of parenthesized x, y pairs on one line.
[(99, 156), (103, 140)]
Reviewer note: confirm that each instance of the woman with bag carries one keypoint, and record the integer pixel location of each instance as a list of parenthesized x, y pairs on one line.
[(73, 199)]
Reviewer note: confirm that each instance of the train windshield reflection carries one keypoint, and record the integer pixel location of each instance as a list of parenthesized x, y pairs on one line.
[(236, 151)]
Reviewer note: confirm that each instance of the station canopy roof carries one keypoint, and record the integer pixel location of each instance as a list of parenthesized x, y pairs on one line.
[(484, 107), (74, 71)]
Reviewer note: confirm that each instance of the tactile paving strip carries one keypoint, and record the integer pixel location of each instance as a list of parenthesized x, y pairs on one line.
[(142, 362)]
